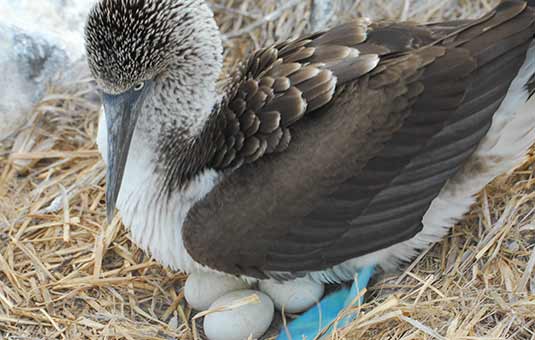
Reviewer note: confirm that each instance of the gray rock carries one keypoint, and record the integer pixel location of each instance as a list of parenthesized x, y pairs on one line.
[(38, 41), (63, 19), (27, 63)]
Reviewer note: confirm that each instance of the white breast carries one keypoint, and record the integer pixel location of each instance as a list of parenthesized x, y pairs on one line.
[(155, 224)]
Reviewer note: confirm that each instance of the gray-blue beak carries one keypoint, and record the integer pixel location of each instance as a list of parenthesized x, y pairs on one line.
[(122, 112)]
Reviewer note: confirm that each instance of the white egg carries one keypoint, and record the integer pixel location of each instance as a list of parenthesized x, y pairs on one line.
[(239, 323), (203, 288), (296, 296)]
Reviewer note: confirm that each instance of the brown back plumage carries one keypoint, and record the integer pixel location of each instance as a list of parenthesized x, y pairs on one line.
[(280, 85), (347, 136)]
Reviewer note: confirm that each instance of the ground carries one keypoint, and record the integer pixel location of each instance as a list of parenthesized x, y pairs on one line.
[(66, 274)]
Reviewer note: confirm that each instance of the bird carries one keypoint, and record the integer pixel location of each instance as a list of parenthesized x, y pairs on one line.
[(324, 155)]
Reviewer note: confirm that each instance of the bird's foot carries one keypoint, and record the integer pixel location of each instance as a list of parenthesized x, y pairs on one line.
[(234, 311), (320, 318)]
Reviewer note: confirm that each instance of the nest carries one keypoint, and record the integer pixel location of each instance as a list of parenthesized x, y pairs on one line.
[(66, 274)]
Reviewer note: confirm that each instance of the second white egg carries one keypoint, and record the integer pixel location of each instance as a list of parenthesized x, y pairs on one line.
[(295, 296)]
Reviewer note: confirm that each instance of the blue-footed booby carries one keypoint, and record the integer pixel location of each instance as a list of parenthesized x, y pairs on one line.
[(324, 155)]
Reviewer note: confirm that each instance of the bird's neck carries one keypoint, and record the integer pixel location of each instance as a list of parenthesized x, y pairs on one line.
[(167, 170), (180, 105), (175, 129), (175, 117)]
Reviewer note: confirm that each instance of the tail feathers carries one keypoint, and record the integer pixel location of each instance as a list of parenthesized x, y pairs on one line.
[(509, 26)]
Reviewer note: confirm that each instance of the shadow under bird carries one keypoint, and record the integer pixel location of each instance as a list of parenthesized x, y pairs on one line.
[(325, 155)]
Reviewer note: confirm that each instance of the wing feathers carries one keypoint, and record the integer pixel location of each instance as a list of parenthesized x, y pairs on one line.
[(281, 84), (349, 34), (353, 68), (330, 54), (400, 108)]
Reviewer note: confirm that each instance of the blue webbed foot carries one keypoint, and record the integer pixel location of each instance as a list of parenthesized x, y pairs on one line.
[(313, 322)]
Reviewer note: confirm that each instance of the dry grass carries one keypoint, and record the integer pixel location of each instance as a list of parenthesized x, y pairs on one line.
[(65, 274)]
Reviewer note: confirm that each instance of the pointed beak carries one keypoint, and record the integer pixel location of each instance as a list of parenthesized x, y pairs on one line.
[(122, 112)]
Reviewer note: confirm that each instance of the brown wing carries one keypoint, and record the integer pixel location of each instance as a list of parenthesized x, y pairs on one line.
[(358, 174), (282, 84)]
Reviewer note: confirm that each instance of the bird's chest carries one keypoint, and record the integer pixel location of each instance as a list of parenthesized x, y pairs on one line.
[(155, 219)]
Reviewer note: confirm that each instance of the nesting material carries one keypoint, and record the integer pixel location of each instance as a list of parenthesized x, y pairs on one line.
[(66, 274)]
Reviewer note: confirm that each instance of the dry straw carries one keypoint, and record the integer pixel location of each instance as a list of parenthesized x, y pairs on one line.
[(65, 274)]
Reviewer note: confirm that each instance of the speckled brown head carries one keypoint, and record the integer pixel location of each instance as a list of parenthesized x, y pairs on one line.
[(130, 41)]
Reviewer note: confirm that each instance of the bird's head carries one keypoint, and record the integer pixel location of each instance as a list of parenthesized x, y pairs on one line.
[(135, 47)]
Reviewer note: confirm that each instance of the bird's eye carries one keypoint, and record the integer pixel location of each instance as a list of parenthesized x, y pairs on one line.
[(139, 86)]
